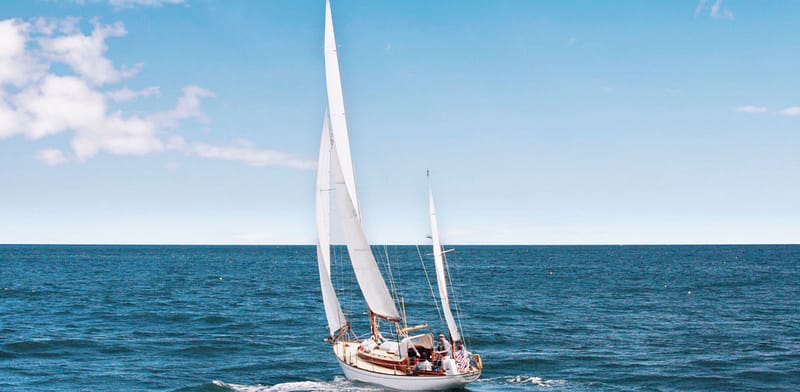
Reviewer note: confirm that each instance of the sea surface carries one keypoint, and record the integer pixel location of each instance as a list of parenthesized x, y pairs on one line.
[(544, 318)]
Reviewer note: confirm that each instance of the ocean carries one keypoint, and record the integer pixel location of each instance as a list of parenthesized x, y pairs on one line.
[(544, 318)]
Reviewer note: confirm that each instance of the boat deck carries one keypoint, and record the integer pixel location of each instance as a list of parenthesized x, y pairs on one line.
[(347, 352)]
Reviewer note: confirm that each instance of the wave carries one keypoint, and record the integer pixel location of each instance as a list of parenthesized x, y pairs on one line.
[(214, 319), (205, 349), (45, 345), (526, 380), (536, 381), (338, 384)]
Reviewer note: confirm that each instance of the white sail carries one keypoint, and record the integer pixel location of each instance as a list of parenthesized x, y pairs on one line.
[(368, 275), (333, 311), (441, 279), (336, 109)]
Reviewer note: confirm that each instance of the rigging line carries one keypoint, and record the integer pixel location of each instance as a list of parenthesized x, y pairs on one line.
[(361, 337), (376, 252), (341, 283), (391, 275), (397, 287), (384, 258), (430, 286)]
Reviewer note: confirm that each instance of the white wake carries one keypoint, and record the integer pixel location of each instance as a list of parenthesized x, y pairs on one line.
[(338, 384), (535, 381)]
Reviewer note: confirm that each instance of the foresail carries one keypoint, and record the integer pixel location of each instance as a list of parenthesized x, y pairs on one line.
[(368, 275), (333, 311), (336, 109), (441, 279)]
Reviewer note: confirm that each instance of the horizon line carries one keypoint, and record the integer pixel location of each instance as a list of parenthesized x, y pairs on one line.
[(397, 244)]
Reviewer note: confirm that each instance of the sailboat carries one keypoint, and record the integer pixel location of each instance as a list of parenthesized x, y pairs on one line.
[(393, 355)]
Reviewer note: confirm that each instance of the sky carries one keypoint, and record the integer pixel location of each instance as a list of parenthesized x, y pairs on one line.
[(542, 122)]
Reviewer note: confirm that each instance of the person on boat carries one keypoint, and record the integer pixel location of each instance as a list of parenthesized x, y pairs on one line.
[(368, 345), (424, 365), (462, 356), (444, 348)]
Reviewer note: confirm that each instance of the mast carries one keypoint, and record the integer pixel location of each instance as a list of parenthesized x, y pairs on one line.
[(439, 261)]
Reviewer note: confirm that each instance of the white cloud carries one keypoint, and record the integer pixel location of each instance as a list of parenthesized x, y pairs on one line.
[(37, 104), (17, 66), (126, 94), (131, 3), (13, 42), (118, 135), (791, 111), (716, 10), (59, 103), (145, 3), (66, 103), (188, 107), (51, 157), (50, 26), (751, 109), (85, 53), (700, 6), (9, 119), (244, 152)]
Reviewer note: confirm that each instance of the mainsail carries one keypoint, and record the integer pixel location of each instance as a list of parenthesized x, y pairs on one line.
[(368, 275), (336, 109), (333, 311), (441, 279)]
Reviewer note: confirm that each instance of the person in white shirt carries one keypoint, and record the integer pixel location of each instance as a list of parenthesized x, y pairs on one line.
[(444, 348)]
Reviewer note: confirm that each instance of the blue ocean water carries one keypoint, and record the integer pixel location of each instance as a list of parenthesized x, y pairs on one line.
[(555, 318)]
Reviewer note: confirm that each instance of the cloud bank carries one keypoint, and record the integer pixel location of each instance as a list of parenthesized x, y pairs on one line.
[(751, 109), (715, 10), (132, 3), (36, 103), (244, 152), (789, 111)]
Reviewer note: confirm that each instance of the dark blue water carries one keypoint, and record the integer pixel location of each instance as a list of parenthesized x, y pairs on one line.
[(561, 318)]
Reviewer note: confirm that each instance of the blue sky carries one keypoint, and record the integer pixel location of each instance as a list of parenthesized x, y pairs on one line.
[(543, 122)]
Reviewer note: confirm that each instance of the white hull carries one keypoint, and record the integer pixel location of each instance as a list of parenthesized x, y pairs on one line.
[(409, 383), (357, 369)]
